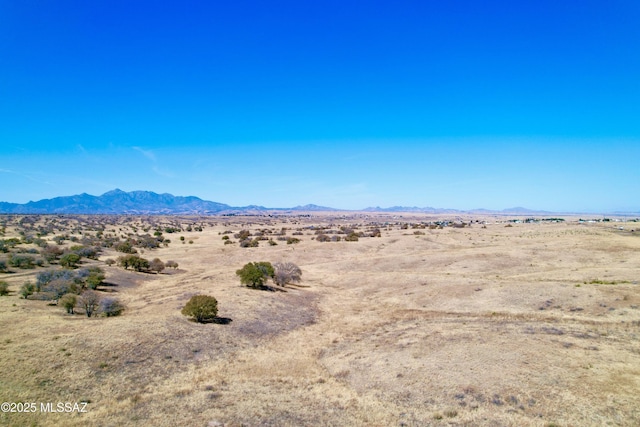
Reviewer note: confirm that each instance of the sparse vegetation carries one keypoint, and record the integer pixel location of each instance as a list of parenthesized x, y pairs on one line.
[(381, 316)]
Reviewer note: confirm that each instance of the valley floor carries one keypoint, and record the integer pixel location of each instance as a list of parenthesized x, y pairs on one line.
[(501, 324)]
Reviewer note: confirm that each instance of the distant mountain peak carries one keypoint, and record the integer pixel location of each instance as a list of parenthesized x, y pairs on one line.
[(118, 202), (312, 207), (115, 192)]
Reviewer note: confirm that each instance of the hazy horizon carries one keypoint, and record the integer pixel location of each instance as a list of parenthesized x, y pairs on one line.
[(506, 210), (456, 106)]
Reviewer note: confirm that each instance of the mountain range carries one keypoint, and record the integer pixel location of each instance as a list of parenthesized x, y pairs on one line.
[(137, 203), (150, 203)]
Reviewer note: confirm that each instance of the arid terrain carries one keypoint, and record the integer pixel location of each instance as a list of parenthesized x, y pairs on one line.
[(497, 323)]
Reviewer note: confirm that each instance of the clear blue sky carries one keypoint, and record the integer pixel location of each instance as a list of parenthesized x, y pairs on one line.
[(349, 104)]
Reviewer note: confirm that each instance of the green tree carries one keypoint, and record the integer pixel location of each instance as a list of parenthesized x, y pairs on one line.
[(21, 261), (202, 308), (69, 301), (4, 288), (70, 260), (95, 278), (255, 274), (126, 247), (27, 289), (133, 261)]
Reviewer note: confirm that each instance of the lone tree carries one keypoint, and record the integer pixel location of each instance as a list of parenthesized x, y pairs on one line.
[(27, 289), (90, 301), (286, 272), (255, 274), (202, 308)]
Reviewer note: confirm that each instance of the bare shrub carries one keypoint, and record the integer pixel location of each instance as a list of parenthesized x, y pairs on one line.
[(352, 237), (249, 243), (90, 301), (286, 272), (323, 238), (242, 235), (59, 287), (157, 265), (111, 307)]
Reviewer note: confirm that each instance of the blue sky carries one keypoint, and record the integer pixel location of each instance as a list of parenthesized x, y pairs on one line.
[(347, 104)]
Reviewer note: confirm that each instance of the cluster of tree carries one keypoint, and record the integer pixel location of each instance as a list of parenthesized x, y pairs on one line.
[(256, 274), (144, 241), (138, 263), (26, 258), (204, 308), (70, 289), (134, 262), (92, 304), (23, 261), (7, 244), (53, 284)]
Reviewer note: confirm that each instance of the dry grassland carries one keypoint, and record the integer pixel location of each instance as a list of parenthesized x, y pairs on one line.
[(530, 325)]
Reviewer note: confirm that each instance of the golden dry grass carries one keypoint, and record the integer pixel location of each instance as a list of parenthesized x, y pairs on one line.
[(529, 325)]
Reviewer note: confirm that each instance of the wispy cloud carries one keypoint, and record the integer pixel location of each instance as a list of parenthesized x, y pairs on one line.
[(25, 175), (151, 156), (147, 153)]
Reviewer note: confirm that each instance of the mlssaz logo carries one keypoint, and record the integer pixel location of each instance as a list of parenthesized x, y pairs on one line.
[(65, 407)]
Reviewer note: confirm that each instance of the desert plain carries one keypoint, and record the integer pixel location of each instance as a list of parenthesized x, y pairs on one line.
[(502, 322)]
